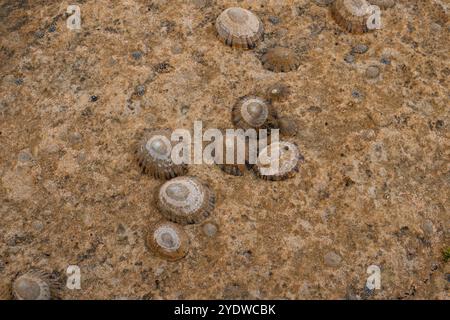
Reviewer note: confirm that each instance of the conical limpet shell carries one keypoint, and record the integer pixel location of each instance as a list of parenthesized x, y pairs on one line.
[(185, 200), (277, 92), (288, 161), (167, 240), (235, 168), (33, 285), (239, 28), (154, 155), (253, 112), (280, 59), (351, 15)]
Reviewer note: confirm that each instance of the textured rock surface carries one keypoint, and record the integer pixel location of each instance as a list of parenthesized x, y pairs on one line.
[(373, 188)]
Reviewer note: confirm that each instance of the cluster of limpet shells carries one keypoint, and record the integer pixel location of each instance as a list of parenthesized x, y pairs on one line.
[(181, 200), (184, 200), (254, 112)]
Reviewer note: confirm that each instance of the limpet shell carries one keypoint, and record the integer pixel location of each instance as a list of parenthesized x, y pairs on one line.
[(33, 285), (277, 92), (185, 200), (154, 155), (280, 59), (168, 240), (240, 28), (289, 159), (350, 15), (253, 112), (235, 169)]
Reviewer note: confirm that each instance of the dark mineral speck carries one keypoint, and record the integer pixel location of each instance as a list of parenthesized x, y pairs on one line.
[(184, 110), (136, 55), (140, 90), (39, 34), (385, 60), (360, 49), (274, 20), (356, 94), (439, 124), (93, 98)]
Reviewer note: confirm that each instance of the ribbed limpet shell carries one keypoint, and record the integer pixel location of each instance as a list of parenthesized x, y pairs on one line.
[(351, 15), (280, 59), (33, 285), (185, 200), (289, 158), (277, 92), (167, 240), (154, 155), (235, 169), (253, 112), (238, 27)]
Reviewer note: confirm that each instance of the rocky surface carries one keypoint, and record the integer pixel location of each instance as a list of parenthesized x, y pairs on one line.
[(374, 187)]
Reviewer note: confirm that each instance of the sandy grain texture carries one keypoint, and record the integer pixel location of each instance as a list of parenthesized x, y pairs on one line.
[(374, 187)]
